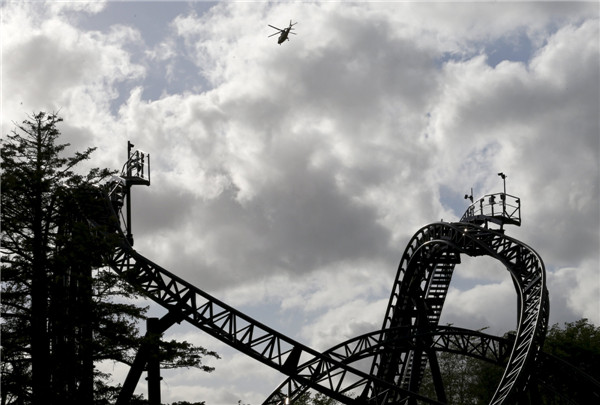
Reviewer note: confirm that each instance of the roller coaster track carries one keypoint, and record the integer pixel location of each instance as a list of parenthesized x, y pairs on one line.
[(420, 290), (187, 302), (418, 297), (416, 302), (551, 373), (474, 344), (410, 337)]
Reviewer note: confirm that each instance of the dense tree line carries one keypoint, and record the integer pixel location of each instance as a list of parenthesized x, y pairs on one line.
[(468, 381), (578, 343), (62, 311), (308, 398), (315, 398)]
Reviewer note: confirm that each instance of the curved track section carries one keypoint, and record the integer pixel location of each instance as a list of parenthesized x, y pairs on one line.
[(449, 339), (420, 290), (551, 373)]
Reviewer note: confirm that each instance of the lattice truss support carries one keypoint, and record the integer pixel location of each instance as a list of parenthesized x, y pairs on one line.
[(549, 372), (418, 297), (420, 290), (410, 336), (308, 366)]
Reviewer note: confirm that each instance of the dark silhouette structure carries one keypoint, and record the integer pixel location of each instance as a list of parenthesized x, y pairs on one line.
[(283, 33), (410, 339)]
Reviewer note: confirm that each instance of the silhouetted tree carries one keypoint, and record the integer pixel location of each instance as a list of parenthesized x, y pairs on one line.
[(466, 380), (578, 343), (34, 178), (187, 403), (59, 312), (471, 381)]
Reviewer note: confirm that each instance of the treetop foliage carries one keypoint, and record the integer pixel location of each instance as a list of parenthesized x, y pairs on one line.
[(62, 311), (578, 343)]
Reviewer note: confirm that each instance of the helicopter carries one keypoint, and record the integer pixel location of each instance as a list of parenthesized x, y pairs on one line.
[(284, 32)]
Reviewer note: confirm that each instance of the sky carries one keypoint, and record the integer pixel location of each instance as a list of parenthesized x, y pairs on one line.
[(286, 180)]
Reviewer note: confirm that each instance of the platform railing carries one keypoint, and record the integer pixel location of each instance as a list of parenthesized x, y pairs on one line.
[(499, 208)]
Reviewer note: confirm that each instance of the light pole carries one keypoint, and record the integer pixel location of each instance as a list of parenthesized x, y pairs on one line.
[(504, 194), (129, 235), (503, 180)]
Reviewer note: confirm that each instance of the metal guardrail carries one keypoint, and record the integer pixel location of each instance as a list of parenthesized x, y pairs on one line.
[(499, 208)]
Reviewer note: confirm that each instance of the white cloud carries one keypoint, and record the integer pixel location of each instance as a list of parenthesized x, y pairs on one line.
[(53, 66), (344, 322), (69, 8), (579, 289), (492, 305)]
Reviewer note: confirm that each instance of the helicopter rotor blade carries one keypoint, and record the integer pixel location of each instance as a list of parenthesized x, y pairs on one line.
[(277, 33), (278, 29)]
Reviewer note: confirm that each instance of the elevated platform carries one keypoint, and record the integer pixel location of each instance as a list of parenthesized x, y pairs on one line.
[(499, 208)]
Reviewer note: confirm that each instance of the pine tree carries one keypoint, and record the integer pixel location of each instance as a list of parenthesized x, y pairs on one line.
[(33, 174), (59, 312)]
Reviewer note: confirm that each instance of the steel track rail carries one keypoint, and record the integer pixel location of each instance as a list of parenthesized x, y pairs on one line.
[(416, 301), (450, 339), (420, 289), (553, 374), (185, 301), (323, 373)]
